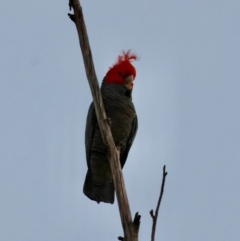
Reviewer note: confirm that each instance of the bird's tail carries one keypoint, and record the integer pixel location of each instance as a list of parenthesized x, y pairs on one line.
[(98, 192)]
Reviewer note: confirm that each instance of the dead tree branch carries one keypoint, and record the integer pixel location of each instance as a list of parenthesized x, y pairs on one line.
[(155, 215), (130, 228)]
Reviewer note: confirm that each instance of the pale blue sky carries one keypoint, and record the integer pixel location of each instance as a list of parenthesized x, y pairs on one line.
[(187, 99)]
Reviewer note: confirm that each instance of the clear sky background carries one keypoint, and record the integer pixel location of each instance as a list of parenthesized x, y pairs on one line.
[(186, 95)]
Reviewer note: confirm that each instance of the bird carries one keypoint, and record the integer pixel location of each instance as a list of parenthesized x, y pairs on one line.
[(116, 90)]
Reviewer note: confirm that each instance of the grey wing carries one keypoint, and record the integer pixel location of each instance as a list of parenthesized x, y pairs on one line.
[(89, 131), (124, 154)]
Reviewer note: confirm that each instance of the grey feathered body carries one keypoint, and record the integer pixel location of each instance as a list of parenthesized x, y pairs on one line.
[(119, 108)]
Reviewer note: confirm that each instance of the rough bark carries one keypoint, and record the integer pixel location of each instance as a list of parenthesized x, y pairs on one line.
[(130, 228)]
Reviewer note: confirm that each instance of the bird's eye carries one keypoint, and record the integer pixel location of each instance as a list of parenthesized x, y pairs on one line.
[(120, 73)]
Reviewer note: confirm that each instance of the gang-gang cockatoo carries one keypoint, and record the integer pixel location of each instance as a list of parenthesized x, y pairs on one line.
[(116, 92)]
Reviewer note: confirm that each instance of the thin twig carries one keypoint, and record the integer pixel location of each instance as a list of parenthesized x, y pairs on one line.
[(130, 232), (155, 216)]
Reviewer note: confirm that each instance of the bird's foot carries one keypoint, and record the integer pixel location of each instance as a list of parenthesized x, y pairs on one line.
[(108, 120), (121, 146)]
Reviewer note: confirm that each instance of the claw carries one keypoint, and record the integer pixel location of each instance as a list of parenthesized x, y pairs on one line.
[(121, 146)]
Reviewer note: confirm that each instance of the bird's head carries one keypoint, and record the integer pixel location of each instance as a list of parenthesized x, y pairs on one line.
[(122, 72)]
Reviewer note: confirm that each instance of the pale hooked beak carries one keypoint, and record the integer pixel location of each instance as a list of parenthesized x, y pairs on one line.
[(129, 82)]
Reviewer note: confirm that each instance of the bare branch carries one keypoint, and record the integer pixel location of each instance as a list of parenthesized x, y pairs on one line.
[(155, 216), (129, 228)]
